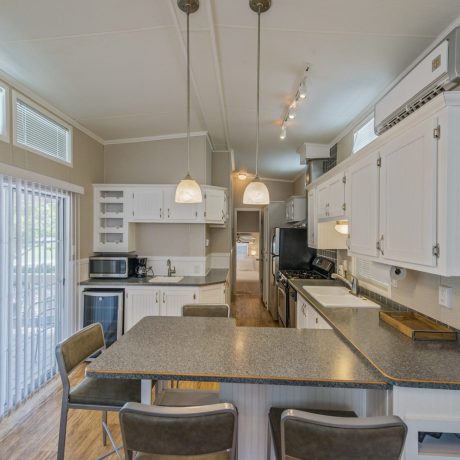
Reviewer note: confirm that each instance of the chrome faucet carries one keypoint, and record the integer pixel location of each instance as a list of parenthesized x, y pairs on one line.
[(171, 271), (353, 285)]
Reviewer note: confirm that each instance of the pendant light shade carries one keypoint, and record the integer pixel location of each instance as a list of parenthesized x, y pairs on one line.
[(256, 191), (341, 226), (188, 190)]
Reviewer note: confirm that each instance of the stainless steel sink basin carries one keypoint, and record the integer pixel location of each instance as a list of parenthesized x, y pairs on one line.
[(338, 296), (166, 279)]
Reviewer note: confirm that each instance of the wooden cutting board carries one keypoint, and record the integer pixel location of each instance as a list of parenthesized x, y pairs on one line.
[(417, 326)]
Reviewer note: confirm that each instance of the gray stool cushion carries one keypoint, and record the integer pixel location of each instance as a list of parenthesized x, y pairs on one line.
[(106, 392), (216, 456), (185, 398), (274, 417)]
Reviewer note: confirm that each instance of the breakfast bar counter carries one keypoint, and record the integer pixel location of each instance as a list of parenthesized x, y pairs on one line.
[(214, 349), (402, 361)]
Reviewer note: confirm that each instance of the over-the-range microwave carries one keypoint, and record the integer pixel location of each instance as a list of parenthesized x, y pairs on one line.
[(112, 265)]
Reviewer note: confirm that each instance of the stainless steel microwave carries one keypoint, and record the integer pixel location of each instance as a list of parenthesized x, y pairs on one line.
[(112, 266)]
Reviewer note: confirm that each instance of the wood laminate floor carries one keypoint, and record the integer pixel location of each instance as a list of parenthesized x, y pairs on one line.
[(32, 431)]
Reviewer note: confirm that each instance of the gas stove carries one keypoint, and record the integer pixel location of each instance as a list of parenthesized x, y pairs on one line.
[(321, 268)]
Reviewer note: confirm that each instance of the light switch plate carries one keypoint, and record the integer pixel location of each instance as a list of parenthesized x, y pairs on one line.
[(445, 296)]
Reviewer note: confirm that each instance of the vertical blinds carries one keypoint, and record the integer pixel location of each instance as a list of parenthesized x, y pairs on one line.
[(38, 278), (41, 133), (364, 135)]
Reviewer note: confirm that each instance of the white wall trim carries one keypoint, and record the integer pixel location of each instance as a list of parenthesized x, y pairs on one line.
[(9, 80), (218, 260), (83, 270), (185, 266), (161, 137), (39, 178)]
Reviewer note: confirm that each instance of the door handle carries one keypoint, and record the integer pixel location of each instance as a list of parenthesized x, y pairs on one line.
[(164, 298), (156, 297), (168, 213), (161, 213)]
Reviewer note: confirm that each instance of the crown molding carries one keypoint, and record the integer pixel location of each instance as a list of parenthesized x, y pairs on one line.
[(161, 137), (20, 88)]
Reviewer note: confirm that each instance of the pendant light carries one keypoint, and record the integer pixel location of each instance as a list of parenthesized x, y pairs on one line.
[(256, 191), (188, 190)]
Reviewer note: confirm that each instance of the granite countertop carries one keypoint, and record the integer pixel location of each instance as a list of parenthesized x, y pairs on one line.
[(214, 276), (214, 349), (401, 360)]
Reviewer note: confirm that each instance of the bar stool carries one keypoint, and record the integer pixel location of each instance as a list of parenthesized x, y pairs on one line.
[(328, 435), (209, 310), (90, 394), (156, 433)]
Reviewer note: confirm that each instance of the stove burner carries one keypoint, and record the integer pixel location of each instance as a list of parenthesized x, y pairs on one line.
[(301, 274)]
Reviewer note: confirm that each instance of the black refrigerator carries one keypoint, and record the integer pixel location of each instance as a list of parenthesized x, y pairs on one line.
[(289, 251)]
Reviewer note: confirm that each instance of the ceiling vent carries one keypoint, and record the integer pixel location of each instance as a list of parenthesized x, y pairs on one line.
[(308, 151), (438, 71)]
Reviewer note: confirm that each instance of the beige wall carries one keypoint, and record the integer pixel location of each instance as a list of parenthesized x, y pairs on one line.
[(156, 162), (418, 291), (279, 191), (186, 240), (88, 168), (248, 221), (299, 186)]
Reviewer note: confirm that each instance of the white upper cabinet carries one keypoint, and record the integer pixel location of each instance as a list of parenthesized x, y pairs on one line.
[(331, 198), (363, 197), (179, 212), (215, 205), (408, 192), (403, 193), (296, 209), (147, 204)]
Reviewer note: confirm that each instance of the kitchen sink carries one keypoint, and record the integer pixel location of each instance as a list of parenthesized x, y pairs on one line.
[(338, 296), (166, 279)]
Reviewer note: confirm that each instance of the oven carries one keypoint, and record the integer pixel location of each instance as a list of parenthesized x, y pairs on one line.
[(292, 308)]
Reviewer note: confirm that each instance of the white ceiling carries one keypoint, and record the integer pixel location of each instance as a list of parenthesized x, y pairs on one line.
[(118, 67)]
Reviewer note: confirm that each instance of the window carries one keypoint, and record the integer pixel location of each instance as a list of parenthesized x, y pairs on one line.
[(3, 114), (364, 135), (373, 275), (37, 284), (39, 131)]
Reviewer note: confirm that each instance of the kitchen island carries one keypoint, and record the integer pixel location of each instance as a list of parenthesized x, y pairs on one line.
[(257, 368), (425, 376)]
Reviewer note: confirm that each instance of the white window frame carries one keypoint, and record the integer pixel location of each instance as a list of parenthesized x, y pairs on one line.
[(48, 114), (380, 284), (4, 114), (360, 126)]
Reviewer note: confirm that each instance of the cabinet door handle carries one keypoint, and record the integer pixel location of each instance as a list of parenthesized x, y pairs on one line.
[(164, 298), (348, 242), (161, 213), (156, 297), (194, 296), (196, 213), (381, 245), (316, 320), (168, 213)]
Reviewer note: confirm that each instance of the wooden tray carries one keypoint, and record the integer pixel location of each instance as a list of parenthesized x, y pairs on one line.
[(417, 327)]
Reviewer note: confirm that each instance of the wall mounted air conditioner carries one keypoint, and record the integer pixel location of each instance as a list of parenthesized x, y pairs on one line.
[(438, 71)]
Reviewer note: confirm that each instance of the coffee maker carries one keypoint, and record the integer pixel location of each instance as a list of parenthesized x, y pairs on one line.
[(141, 268)]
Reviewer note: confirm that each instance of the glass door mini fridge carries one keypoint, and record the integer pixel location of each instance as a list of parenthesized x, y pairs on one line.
[(104, 306)]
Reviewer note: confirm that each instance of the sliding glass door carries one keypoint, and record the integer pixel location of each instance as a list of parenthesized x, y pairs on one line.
[(35, 255)]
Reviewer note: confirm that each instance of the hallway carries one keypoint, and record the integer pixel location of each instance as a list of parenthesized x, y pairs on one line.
[(248, 310)]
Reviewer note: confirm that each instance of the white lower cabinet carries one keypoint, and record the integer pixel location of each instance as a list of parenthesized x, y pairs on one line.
[(308, 317), (140, 302), (214, 293), (172, 299), (155, 301)]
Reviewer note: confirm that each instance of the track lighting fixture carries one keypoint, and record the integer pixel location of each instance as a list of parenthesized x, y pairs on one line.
[(300, 96), (283, 132)]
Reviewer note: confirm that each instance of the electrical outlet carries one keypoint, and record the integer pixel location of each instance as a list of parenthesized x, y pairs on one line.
[(445, 296)]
